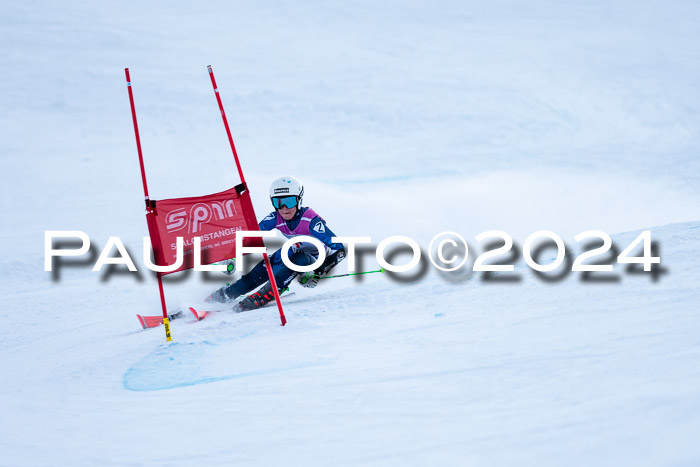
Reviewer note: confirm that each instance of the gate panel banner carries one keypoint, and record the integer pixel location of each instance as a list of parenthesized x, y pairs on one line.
[(215, 219)]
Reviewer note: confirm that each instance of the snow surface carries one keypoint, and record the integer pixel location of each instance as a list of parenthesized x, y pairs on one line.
[(401, 118)]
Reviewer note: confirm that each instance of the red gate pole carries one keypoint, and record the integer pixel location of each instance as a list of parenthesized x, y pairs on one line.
[(149, 209), (138, 138), (240, 173)]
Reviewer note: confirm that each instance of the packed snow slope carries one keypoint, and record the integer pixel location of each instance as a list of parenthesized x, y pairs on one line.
[(405, 118)]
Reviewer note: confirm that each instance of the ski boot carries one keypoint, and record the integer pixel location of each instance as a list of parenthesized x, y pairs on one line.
[(219, 296), (256, 300)]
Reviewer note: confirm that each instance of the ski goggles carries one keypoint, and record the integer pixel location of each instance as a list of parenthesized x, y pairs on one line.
[(288, 201)]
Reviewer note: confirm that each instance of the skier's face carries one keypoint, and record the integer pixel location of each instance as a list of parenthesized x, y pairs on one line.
[(287, 213)]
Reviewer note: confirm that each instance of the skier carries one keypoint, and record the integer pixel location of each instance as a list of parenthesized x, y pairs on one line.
[(292, 220)]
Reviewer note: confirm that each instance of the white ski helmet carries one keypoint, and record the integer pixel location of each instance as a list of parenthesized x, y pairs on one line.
[(283, 189)]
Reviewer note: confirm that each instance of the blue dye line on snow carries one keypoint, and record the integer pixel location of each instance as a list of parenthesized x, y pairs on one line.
[(180, 365), (156, 382)]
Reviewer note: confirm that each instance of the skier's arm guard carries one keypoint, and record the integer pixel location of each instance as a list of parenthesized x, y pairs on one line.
[(310, 279), (330, 262)]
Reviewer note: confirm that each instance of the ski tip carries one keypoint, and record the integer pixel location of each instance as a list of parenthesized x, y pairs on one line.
[(143, 323), (200, 315)]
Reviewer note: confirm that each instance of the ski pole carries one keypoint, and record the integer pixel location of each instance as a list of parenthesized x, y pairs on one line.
[(351, 274)]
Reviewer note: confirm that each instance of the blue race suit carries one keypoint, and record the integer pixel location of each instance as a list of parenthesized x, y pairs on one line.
[(301, 254)]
